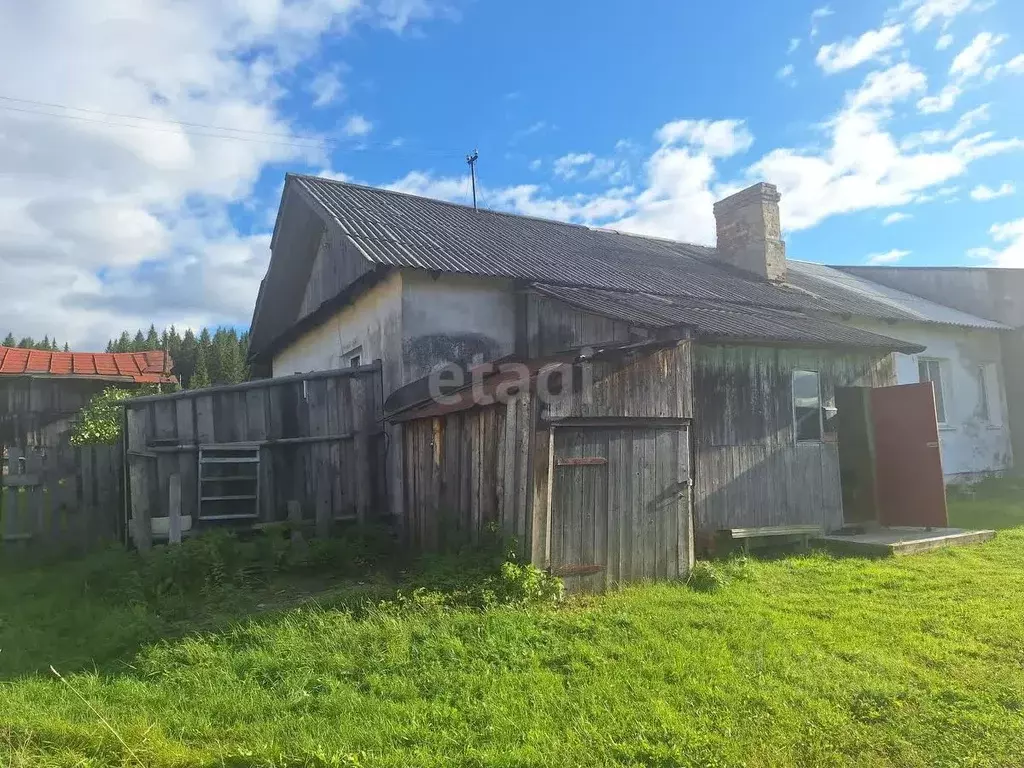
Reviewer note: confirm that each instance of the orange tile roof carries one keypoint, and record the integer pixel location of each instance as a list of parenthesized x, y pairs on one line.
[(140, 367)]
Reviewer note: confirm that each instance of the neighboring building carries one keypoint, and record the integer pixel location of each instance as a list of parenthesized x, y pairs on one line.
[(962, 358), (993, 293), (42, 391), (759, 356)]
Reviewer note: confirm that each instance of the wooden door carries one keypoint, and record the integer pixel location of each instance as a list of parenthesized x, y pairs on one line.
[(620, 505), (908, 464)]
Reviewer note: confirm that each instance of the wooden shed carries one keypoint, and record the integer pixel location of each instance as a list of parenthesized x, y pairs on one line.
[(593, 482), (241, 453), (42, 391), (675, 427)]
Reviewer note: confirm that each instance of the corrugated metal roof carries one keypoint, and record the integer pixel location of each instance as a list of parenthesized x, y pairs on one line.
[(846, 293), (723, 323), (407, 231), (402, 230), (139, 367)]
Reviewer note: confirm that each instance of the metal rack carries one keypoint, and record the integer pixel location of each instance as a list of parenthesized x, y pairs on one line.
[(229, 481)]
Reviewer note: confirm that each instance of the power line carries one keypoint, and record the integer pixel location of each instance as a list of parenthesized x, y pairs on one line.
[(155, 119), (311, 142)]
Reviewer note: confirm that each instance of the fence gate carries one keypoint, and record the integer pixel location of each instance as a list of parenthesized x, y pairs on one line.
[(59, 496)]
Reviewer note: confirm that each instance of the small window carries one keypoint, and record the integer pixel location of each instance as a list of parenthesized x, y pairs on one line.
[(931, 370), (807, 406), (989, 404), (353, 361), (984, 407)]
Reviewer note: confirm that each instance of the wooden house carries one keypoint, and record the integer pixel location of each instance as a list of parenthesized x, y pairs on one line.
[(699, 387), (42, 391)]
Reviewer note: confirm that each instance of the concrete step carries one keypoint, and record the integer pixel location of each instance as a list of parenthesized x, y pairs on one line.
[(889, 542)]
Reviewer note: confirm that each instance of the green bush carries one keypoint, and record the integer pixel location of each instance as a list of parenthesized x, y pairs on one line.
[(706, 577), (99, 422)]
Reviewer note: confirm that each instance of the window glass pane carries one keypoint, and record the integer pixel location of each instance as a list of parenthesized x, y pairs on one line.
[(931, 370), (983, 405), (807, 405)]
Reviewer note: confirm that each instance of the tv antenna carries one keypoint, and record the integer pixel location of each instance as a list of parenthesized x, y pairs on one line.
[(471, 161)]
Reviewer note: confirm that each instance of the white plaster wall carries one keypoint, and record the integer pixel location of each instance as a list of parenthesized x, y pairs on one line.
[(373, 321), (970, 445), (454, 319)]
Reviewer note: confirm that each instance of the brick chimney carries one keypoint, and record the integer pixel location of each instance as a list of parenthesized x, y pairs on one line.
[(749, 232)]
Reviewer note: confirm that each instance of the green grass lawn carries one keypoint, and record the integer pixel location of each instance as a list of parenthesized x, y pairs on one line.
[(803, 660)]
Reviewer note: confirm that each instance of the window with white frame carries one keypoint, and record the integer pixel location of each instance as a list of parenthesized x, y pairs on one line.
[(929, 369), (989, 405), (807, 406)]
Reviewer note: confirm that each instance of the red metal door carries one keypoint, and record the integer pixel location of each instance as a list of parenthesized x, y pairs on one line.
[(911, 490)]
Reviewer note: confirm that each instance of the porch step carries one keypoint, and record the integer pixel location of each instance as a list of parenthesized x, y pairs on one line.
[(889, 542)]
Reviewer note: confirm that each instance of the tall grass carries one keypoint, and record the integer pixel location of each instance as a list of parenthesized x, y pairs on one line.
[(806, 660)]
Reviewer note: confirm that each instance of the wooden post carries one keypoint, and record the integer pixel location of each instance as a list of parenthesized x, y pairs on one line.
[(138, 472), (295, 524), (324, 512), (174, 509)]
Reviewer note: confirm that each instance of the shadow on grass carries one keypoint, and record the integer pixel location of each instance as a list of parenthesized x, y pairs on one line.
[(96, 612)]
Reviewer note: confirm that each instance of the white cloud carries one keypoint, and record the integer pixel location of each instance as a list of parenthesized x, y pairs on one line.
[(818, 15), (327, 87), (590, 167), (569, 165), (535, 164), (107, 222), (357, 125), (786, 73), (529, 130), (1010, 253), (942, 10), (716, 138), (864, 166), (1015, 65), (889, 257), (888, 86), (966, 66), (852, 52), (943, 42), (895, 218), (966, 123), (984, 193), (972, 60), (944, 101), (794, 43)]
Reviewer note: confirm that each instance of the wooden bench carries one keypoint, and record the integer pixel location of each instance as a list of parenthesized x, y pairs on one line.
[(732, 538)]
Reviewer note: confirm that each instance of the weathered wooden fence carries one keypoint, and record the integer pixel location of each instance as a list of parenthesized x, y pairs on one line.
[(61, 497), (247, 454)]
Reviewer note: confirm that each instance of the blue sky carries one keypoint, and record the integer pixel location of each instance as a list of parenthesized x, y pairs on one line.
[(893, 130)]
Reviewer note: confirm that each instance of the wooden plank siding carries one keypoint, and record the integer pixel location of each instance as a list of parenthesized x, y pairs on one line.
[(552, 327), (337, 265), (470, 473), (653, 385), (320, 439), (750, 472), (61, 498)]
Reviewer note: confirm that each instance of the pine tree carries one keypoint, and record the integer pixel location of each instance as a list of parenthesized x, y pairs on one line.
[(139, 343), (9, 340), (124, 343), (185, 361), (27, 343), (152, 339), (200, 377), (67, 347)]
